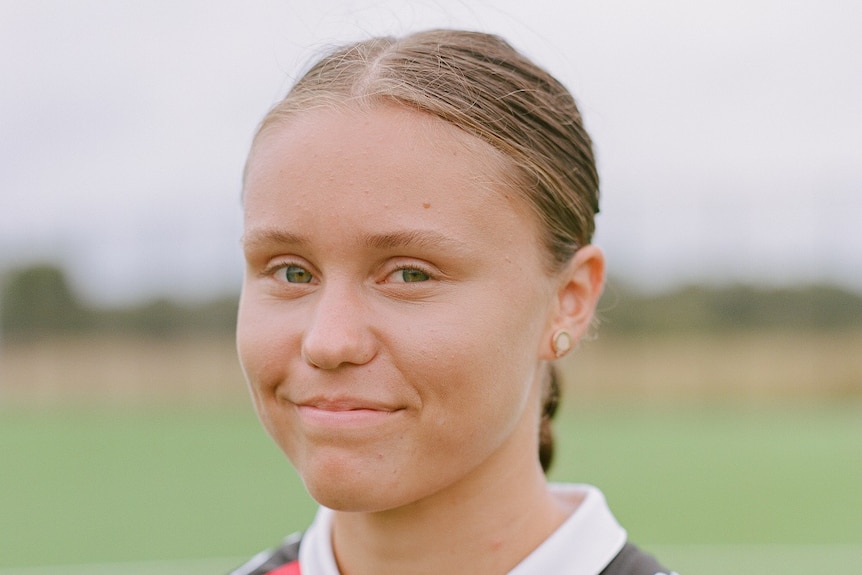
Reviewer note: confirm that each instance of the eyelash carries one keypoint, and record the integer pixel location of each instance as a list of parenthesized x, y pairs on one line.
[(412, 267)]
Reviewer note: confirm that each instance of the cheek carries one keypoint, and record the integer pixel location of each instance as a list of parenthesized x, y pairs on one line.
[(473, 404), (479, 378), (500, 373), (263, 348)]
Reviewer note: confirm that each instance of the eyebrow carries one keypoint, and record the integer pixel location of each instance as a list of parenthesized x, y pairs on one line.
[(411, 238), (266, 237), (385, 241)]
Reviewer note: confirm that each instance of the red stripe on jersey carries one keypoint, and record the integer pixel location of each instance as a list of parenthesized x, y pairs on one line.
[(291, 568)]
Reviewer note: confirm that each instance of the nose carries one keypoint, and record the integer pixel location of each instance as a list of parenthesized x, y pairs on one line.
[(339, 333)]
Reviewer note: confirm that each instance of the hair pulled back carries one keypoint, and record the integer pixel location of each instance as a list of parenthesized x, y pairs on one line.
[(482, 85)]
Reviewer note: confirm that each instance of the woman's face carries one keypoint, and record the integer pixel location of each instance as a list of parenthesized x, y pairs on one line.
[(395, 305)]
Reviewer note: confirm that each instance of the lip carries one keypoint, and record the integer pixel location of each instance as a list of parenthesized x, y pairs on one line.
[(344, 412)]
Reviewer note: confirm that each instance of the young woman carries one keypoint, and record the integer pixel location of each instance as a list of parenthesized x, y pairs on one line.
[(418, 215)]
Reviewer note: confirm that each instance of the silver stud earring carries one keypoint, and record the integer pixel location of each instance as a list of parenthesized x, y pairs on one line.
[(562, 343)]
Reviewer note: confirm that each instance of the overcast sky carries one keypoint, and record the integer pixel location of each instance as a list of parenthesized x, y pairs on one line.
[(729, 133)]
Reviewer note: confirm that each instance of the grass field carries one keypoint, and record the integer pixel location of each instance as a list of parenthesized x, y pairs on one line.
[(197, 489), (112, 462)]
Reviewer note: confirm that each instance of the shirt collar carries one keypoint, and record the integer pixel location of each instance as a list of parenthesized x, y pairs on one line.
[(583, 545)]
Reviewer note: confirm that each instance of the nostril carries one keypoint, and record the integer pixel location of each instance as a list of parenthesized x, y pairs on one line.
[(309, 361)]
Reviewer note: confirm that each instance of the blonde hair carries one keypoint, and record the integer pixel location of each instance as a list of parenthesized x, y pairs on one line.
[(482, 85)]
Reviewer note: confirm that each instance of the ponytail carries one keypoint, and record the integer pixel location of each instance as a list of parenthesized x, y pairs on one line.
[(550, 403)]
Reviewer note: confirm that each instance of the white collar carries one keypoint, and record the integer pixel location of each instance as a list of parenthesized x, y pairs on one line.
[(583, 545)]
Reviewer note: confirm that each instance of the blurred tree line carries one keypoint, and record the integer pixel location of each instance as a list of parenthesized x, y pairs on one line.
[(731, 308), (37, 301)]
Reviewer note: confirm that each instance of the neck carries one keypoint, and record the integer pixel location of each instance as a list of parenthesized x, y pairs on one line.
[(487, 523)]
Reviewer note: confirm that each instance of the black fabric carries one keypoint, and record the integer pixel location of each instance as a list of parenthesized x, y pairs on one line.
[(632, 561), (262, 564)]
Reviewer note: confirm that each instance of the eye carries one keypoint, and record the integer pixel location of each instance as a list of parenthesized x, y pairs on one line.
[(295, 274), (409, 275)]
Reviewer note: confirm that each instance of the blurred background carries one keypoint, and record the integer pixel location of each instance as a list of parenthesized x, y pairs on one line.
[(719, 408)]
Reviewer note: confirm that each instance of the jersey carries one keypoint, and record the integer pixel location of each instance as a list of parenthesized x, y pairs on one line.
[(589, 542), (284, 560)]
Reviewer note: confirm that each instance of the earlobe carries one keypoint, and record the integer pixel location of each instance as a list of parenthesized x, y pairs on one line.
[(580, 287)]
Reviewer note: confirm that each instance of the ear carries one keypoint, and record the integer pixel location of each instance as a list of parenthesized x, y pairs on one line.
[(577, 294)]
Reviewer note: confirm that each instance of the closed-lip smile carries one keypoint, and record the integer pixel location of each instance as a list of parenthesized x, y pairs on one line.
[(343, 412), (345, 404)]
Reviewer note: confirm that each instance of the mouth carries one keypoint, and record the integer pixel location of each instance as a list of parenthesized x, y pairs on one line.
[(344, 413)]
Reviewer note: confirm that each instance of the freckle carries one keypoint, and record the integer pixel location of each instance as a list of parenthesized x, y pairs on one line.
[(426, 205)]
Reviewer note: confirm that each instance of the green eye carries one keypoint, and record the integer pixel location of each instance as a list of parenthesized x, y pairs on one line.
[(413, 275), (296, 275)]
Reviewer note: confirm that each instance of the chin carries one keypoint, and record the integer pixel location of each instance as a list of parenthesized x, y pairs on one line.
[(348, 500), (347, 484), (345, 494)]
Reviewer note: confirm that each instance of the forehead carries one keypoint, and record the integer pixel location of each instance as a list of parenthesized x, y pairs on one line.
[(380, 130), (384, 153)]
